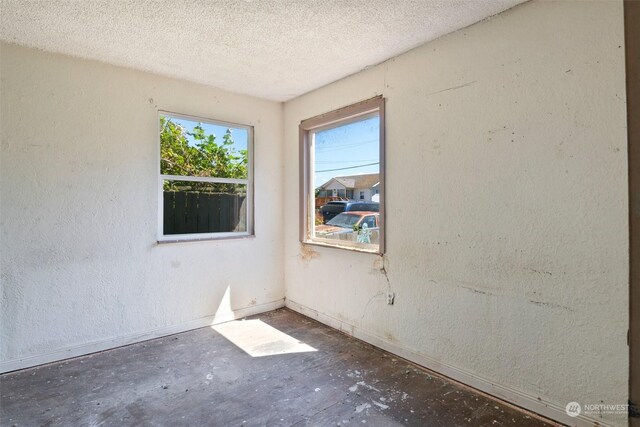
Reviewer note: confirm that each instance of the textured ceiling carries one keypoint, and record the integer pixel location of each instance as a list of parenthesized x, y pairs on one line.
[(274, 49)]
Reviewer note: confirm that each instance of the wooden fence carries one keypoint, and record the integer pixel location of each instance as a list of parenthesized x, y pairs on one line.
[(188, 212)]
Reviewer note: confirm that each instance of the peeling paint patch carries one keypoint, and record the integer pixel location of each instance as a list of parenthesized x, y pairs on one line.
[(307, 253)]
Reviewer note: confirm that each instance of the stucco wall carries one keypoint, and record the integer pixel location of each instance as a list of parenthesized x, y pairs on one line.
[(506, 209), (81, 269)]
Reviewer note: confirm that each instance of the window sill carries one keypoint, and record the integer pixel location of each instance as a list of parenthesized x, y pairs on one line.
[(182, 239), (342, 247)]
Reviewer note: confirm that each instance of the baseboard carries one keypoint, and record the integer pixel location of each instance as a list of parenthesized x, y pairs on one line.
[(109, 343), (515, 397)]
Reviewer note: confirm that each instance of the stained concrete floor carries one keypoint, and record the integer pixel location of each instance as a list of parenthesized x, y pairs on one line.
[(199, 378)]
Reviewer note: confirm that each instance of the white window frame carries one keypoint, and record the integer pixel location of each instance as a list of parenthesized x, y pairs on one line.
[(343, 116), (162, 238)]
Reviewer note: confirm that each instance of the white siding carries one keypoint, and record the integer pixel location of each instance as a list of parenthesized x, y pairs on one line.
[(367, 194)]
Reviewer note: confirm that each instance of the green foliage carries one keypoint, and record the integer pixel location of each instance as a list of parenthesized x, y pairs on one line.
[(205, 158)]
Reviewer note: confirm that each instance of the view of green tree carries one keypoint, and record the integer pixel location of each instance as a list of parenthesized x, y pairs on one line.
[(205, 158)]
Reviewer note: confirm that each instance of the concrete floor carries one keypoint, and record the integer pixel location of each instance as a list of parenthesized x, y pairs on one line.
[(199, 378)]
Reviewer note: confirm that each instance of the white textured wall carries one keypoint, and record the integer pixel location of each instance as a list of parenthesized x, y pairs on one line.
[(80, 263), (509, 262)]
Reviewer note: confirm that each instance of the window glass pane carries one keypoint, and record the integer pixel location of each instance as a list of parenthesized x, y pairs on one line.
[(370, 221), (191, 148), (204, 207), (346, 163)]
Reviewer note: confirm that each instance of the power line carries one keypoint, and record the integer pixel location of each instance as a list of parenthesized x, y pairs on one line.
[(345, 161), (323, 146), (350, 167)]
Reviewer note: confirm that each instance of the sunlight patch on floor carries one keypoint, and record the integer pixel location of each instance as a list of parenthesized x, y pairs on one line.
[(258, 339)]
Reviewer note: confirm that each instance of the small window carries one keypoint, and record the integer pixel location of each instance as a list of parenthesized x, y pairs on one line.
[(344, 150), (205, 183)]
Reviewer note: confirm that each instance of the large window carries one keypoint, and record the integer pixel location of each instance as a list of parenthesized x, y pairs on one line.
[(342, 155), (205, 183)]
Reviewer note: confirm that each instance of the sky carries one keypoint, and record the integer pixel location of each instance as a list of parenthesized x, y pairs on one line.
[(240, 135), (351, 149)]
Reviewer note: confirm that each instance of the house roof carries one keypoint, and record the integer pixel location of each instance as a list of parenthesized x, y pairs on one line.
[(273, 49), (356, 181)]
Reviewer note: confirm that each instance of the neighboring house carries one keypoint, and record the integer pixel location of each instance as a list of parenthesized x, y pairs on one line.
[(354, 187), (375, 197)]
